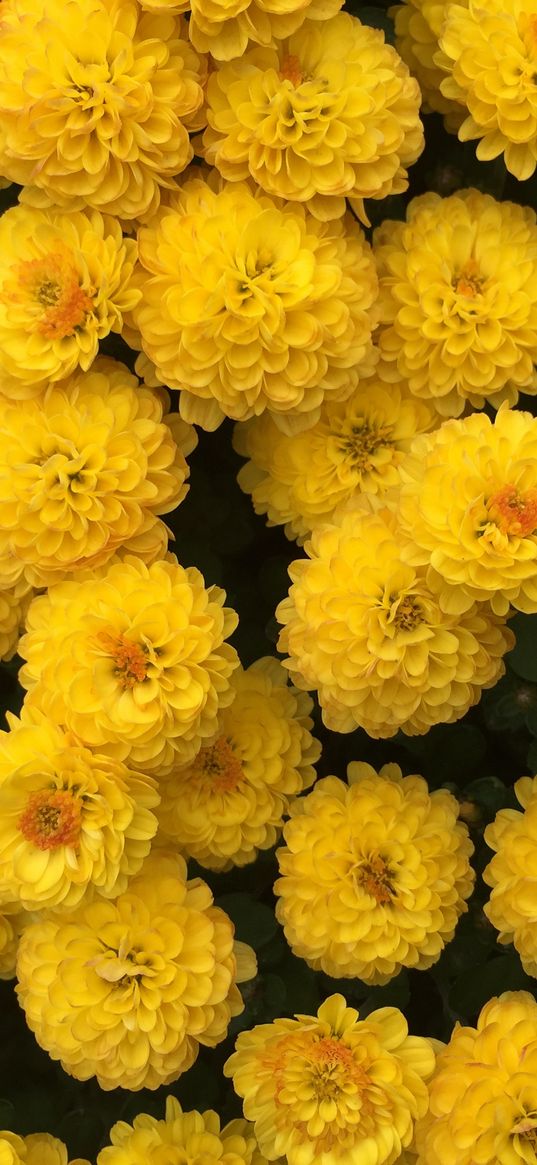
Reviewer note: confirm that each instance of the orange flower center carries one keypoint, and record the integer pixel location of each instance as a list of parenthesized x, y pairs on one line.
[(130, 659), (408, 614), (51, 818), (377, 879), (291, 70), (220, 764), (514, 512), (468, 283), (53, 285)]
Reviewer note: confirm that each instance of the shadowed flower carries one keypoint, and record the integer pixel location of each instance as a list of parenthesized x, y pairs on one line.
[(225, 28), (35, 1149), (418, 26), (195, 1137), (14, 603), (511, 873)]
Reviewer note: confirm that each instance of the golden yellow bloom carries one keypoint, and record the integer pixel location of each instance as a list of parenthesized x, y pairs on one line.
[(418, 26), (195, 1137), (511, 874), (12, 923), (71, 820), (14, 603), (96, 100), (483, 1095), (225, 28), (35, 1149), (327, 114), (134, 662), (85, 469), (65, 280), (248, 305), (470, 507), (369, 633), (374, 874), (127, 990), (231, 800), (357, 446), (458, 299), (332, 1088), (489, 52)]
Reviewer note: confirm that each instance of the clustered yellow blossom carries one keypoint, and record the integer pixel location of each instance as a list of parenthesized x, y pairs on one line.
[(458, 299), (483, 1105), (97, 98), (329, 113), (71, 819), (35, 1149), (195, 1137), (357, 446), (511, 873), (249, 305), (230, 802), (418, 26), (226, 29), (469, 508), (332, 1088), (369, 633), (14, 603), (128, 990), (85, 469), (374, 874)]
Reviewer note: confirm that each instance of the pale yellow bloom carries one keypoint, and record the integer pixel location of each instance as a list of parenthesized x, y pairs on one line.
[(226, 28), (512, 874), (14, 603), (35, 1149), (195, 1137), (418, 26)]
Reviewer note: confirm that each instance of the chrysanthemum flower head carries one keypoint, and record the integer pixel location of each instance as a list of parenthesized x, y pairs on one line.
[(14, 603), (489, 53), (330, 1088), (231, 800), (369, 633), (35, 1149), (483, 1095), (357, 446), (458, 299), (127, 990), (329, 113), (469, 507), (374, 874), (65, 282), (96, 99), (250, 305), (85, 469), (12, 923), (226, 28), (71, 819), (133, 662), (418, 26), (193, 1136), (511, 873)]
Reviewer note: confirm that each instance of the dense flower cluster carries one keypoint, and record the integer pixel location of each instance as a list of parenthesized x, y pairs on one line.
[(35, 1149), (511, 874), (230, 802), (248, 305), (328, 1087), (483, 1094), (128, 990), (374, 875), (383, 655), (458, 299), (195, 1137)]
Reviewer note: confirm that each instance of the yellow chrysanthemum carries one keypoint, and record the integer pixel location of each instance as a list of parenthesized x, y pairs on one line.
[(194, 1136), (512, 872), (458, 299), (418, 26), (483, 1095), (356, 447), (65, 280), (35, 1149), (134, 662), (369, 633), (248, 305), (71, 820), (84, 469), (327, 114), (489, 53), (14, 603), (96, 100), (231, 800), (12, 923), (332, 1088), (225, 28), (374, 874), (469, 507), (127, 990)]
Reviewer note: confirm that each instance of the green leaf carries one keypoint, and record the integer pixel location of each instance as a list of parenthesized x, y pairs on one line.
[(479, 983), (254, 922), (523, 658), (489, 792)]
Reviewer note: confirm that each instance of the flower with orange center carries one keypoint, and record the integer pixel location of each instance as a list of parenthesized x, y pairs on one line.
[(226, 28), (329, 113), (332, 1088), (458, 300), (65, 282), (374, 875), (230, 802), (35, 1149), (469, 508), (84, 471), (133, 661), (126, 991), (97, 98)]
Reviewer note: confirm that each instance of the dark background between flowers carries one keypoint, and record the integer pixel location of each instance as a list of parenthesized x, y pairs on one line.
[(479, 759)]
